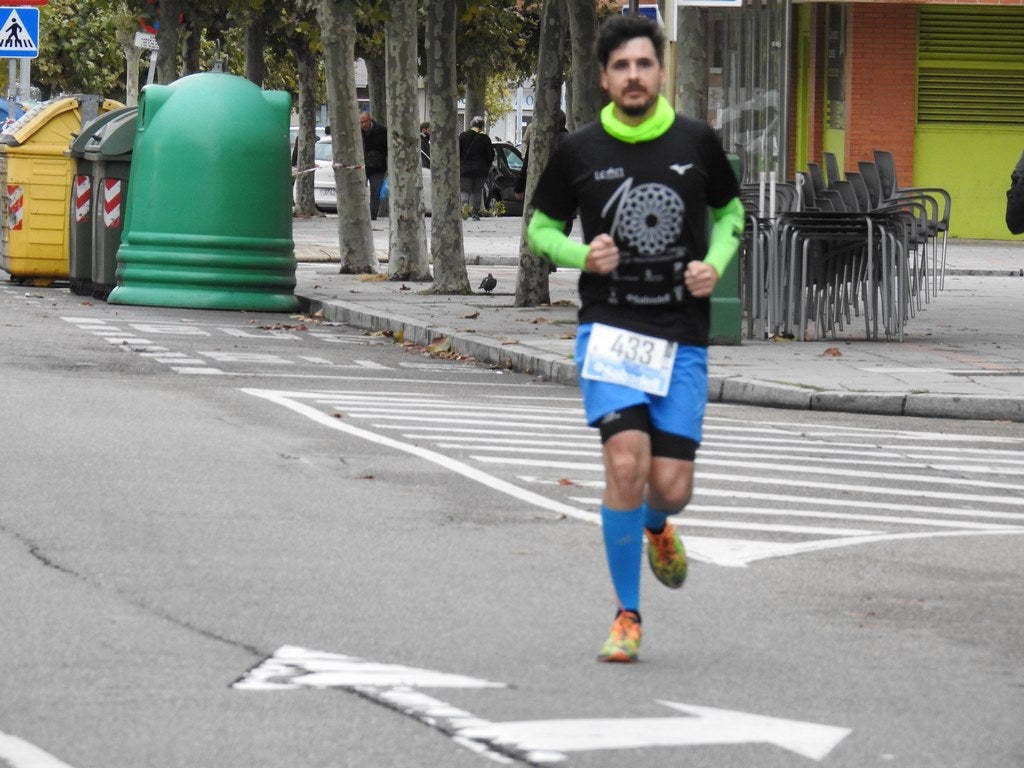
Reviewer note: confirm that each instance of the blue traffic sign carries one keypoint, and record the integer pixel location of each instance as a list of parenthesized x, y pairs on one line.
[(19, 33)]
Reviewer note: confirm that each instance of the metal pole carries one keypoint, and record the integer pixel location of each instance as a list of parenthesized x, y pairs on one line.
[(634, 6), (12, 79), (785, 88), (25, 87)]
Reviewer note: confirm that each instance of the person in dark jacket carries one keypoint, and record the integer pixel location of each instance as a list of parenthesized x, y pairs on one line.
[(425, 143), (476, 153), (375, 157), (1015, 200)]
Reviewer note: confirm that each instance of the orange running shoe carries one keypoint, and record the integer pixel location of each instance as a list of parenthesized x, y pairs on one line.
[(623, 641), (667, 557)]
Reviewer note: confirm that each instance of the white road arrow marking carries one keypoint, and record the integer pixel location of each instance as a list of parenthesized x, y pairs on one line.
[(535, 742), (292, 667), (706, 725), (18, 753)]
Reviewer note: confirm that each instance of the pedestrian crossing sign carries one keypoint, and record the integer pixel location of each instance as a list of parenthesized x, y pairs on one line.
[(19, 33)]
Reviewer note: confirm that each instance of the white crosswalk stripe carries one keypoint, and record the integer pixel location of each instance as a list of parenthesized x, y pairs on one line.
[(764, 489)]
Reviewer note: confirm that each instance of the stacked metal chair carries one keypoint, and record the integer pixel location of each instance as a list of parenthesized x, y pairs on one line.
[(937, 202), (827, 249)]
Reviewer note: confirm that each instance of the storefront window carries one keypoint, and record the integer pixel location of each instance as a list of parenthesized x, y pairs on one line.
[(746, 83)]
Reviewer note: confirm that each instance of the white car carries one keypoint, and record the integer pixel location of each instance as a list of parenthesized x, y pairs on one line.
[(293, 137), (324, 193)]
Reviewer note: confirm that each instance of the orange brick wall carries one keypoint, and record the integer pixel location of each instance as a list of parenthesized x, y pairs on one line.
[(881, 84)]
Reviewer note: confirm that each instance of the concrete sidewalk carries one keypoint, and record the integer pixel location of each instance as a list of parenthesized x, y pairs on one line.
[(962, 355)]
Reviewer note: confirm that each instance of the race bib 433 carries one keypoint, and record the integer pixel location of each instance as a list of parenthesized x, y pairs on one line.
[(631, 359)]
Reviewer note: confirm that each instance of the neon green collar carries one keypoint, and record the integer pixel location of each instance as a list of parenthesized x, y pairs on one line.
[(648, 130)]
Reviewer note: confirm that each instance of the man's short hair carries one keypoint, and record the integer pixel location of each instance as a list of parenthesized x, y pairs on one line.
[(477, 122), (618, 30)]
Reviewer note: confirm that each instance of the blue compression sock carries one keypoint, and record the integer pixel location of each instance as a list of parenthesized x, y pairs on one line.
[(654, 519), (623, 544)]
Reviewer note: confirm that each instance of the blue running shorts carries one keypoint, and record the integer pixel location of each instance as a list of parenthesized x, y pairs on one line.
[(680, 412)]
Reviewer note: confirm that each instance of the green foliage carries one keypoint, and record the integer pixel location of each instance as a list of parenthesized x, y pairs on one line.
[(78, 49), (494, 36), (80, 52)]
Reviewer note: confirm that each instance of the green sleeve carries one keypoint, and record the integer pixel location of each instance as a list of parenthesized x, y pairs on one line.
[(546, 236), (725, 234)]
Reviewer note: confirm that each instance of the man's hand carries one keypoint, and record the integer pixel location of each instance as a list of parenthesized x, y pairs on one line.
[(603, 255), (700, 278)]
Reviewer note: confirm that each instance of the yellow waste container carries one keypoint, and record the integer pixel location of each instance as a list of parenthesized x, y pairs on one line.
[(35, 186)]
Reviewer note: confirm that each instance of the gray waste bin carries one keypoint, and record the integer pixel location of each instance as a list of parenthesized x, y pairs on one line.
[(110, 149), (83, 207)]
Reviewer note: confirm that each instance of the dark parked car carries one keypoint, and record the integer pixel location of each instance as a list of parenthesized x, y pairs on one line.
[(501, 181)]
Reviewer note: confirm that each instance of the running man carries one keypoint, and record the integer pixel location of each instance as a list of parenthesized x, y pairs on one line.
[(642, 178)]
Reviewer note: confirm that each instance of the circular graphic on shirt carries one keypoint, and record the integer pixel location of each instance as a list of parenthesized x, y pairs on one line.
[(651, 218)]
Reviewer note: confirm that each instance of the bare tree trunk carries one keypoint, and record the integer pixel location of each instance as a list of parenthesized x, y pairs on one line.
[(377, 85), (475, 88), (167, 39), (407, 246), (190, 45), (132, 57), (255, 41), (306, 63), (446, 244), (586, 91), (532, 277), (691, 76), (338, 35)]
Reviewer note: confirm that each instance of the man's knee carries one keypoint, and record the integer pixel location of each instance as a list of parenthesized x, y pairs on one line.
[(671, 484)]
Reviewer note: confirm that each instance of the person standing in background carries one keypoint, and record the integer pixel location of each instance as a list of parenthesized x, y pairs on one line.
[(425, 144), (1015, 200), (375, 157), (476, 153)]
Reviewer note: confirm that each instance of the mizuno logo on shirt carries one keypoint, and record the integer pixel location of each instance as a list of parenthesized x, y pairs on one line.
[(680, 168), (609, 174)]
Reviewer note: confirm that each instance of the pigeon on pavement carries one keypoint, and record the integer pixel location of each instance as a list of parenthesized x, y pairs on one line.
[(488, 283)]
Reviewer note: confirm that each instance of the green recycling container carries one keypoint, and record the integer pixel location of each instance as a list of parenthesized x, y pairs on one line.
[(109, 149), (726, 307), (209, 217)]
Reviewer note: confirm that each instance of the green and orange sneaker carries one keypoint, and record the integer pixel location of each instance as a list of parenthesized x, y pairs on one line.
[(667, 557), (623, 641)]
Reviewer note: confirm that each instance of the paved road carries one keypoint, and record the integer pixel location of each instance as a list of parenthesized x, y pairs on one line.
[(255, 540)]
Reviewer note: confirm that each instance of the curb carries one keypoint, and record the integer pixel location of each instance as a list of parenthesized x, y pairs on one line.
[(517, 357)]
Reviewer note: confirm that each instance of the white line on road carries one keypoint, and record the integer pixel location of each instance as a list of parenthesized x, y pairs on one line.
[(866, 459), (793, 477), (831, 431), (18, 753), (730, 493)]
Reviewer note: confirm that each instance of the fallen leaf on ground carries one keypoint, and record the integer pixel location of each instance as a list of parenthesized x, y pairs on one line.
[(832, 352), (473, 316), (443, 344)]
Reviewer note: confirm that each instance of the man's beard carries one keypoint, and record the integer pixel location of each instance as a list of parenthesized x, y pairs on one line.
[(636, 111)]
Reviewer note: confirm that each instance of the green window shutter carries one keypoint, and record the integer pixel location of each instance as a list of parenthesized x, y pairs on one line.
[(970, 65)]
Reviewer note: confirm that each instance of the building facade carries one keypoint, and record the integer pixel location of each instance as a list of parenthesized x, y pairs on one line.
[(940, 85)]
